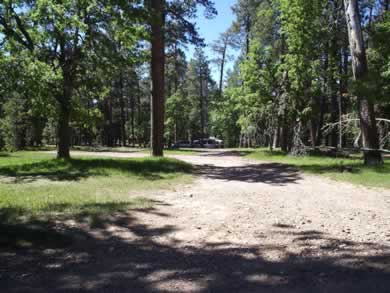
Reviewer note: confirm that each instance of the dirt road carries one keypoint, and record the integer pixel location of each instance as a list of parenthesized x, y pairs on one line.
[(243, 226)]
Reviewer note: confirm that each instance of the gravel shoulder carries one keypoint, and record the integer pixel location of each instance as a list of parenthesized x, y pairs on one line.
[(242, 226)]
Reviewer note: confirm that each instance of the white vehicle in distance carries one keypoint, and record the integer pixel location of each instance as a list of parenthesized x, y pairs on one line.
[(209, 143)]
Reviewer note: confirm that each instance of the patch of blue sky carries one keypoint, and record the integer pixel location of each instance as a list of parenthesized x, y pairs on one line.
[(210, 29)]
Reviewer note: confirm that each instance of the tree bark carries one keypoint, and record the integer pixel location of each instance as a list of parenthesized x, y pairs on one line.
[(248, 24), (176, 74), (323, 100), (206, 104), (139, 113), (321, 121), (132, 119), (313, 132), (222, 69), (343, 70), (284, 134), (372, 156), (110, 128), (201, 101), (276, 136), (122, 110), (334, 113), (63, 130), (334, 99), (158, 78), (176, 86)]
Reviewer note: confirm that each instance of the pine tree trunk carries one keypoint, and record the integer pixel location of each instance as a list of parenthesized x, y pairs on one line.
[(334, 117), (206, 110), (176, 73), (247, 31), (284, 135), (132, 119), (63, 131), (139, 113), (111, 137), (320, 121), (222, 70), (201, 105), (122, 110), (360, 71), (176, 87), (313, 128), (343, 67), (276, 136), (322, 100), (158, 79), (313, 132), (334, 99)]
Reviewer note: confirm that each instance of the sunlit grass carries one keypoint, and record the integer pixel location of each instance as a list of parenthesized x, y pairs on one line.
[(34, 184), (344, 169)]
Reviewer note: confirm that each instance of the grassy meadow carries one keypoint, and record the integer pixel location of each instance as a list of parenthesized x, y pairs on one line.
[(349, 169), (35, 185)]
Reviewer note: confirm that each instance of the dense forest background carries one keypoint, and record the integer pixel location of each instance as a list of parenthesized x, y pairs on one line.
[(310, 73)]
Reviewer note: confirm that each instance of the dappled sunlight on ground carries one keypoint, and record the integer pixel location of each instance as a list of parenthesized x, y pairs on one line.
[(126, 254), (242, 226)]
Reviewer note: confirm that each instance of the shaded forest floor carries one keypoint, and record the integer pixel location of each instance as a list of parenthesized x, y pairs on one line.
[(242, 226)]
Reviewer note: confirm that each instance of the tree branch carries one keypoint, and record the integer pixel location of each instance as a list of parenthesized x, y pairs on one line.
[(21, 27)]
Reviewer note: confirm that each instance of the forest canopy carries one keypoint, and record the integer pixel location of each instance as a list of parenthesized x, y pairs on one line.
[(307, 74)]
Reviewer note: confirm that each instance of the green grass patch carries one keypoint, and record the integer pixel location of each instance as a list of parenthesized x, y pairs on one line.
[(37, 186), (344, 169)]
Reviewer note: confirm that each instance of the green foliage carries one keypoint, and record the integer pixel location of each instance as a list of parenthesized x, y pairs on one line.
[(200, 90), (378, 83), (178, 108), (224, 119), (296, 71), (15, 124), (257, 99), (60, 53), (27, 99), (92, 58), (300, 26), (23, 76)]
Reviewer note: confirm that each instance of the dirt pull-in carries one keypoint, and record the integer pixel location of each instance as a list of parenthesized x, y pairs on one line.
[(243, 226)]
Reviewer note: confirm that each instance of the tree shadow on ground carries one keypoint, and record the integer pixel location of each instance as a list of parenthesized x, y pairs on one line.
[(227, 153), (103, 260), (125, 150), (269, 173), (76, 169), (189, 150), (346, 165)]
